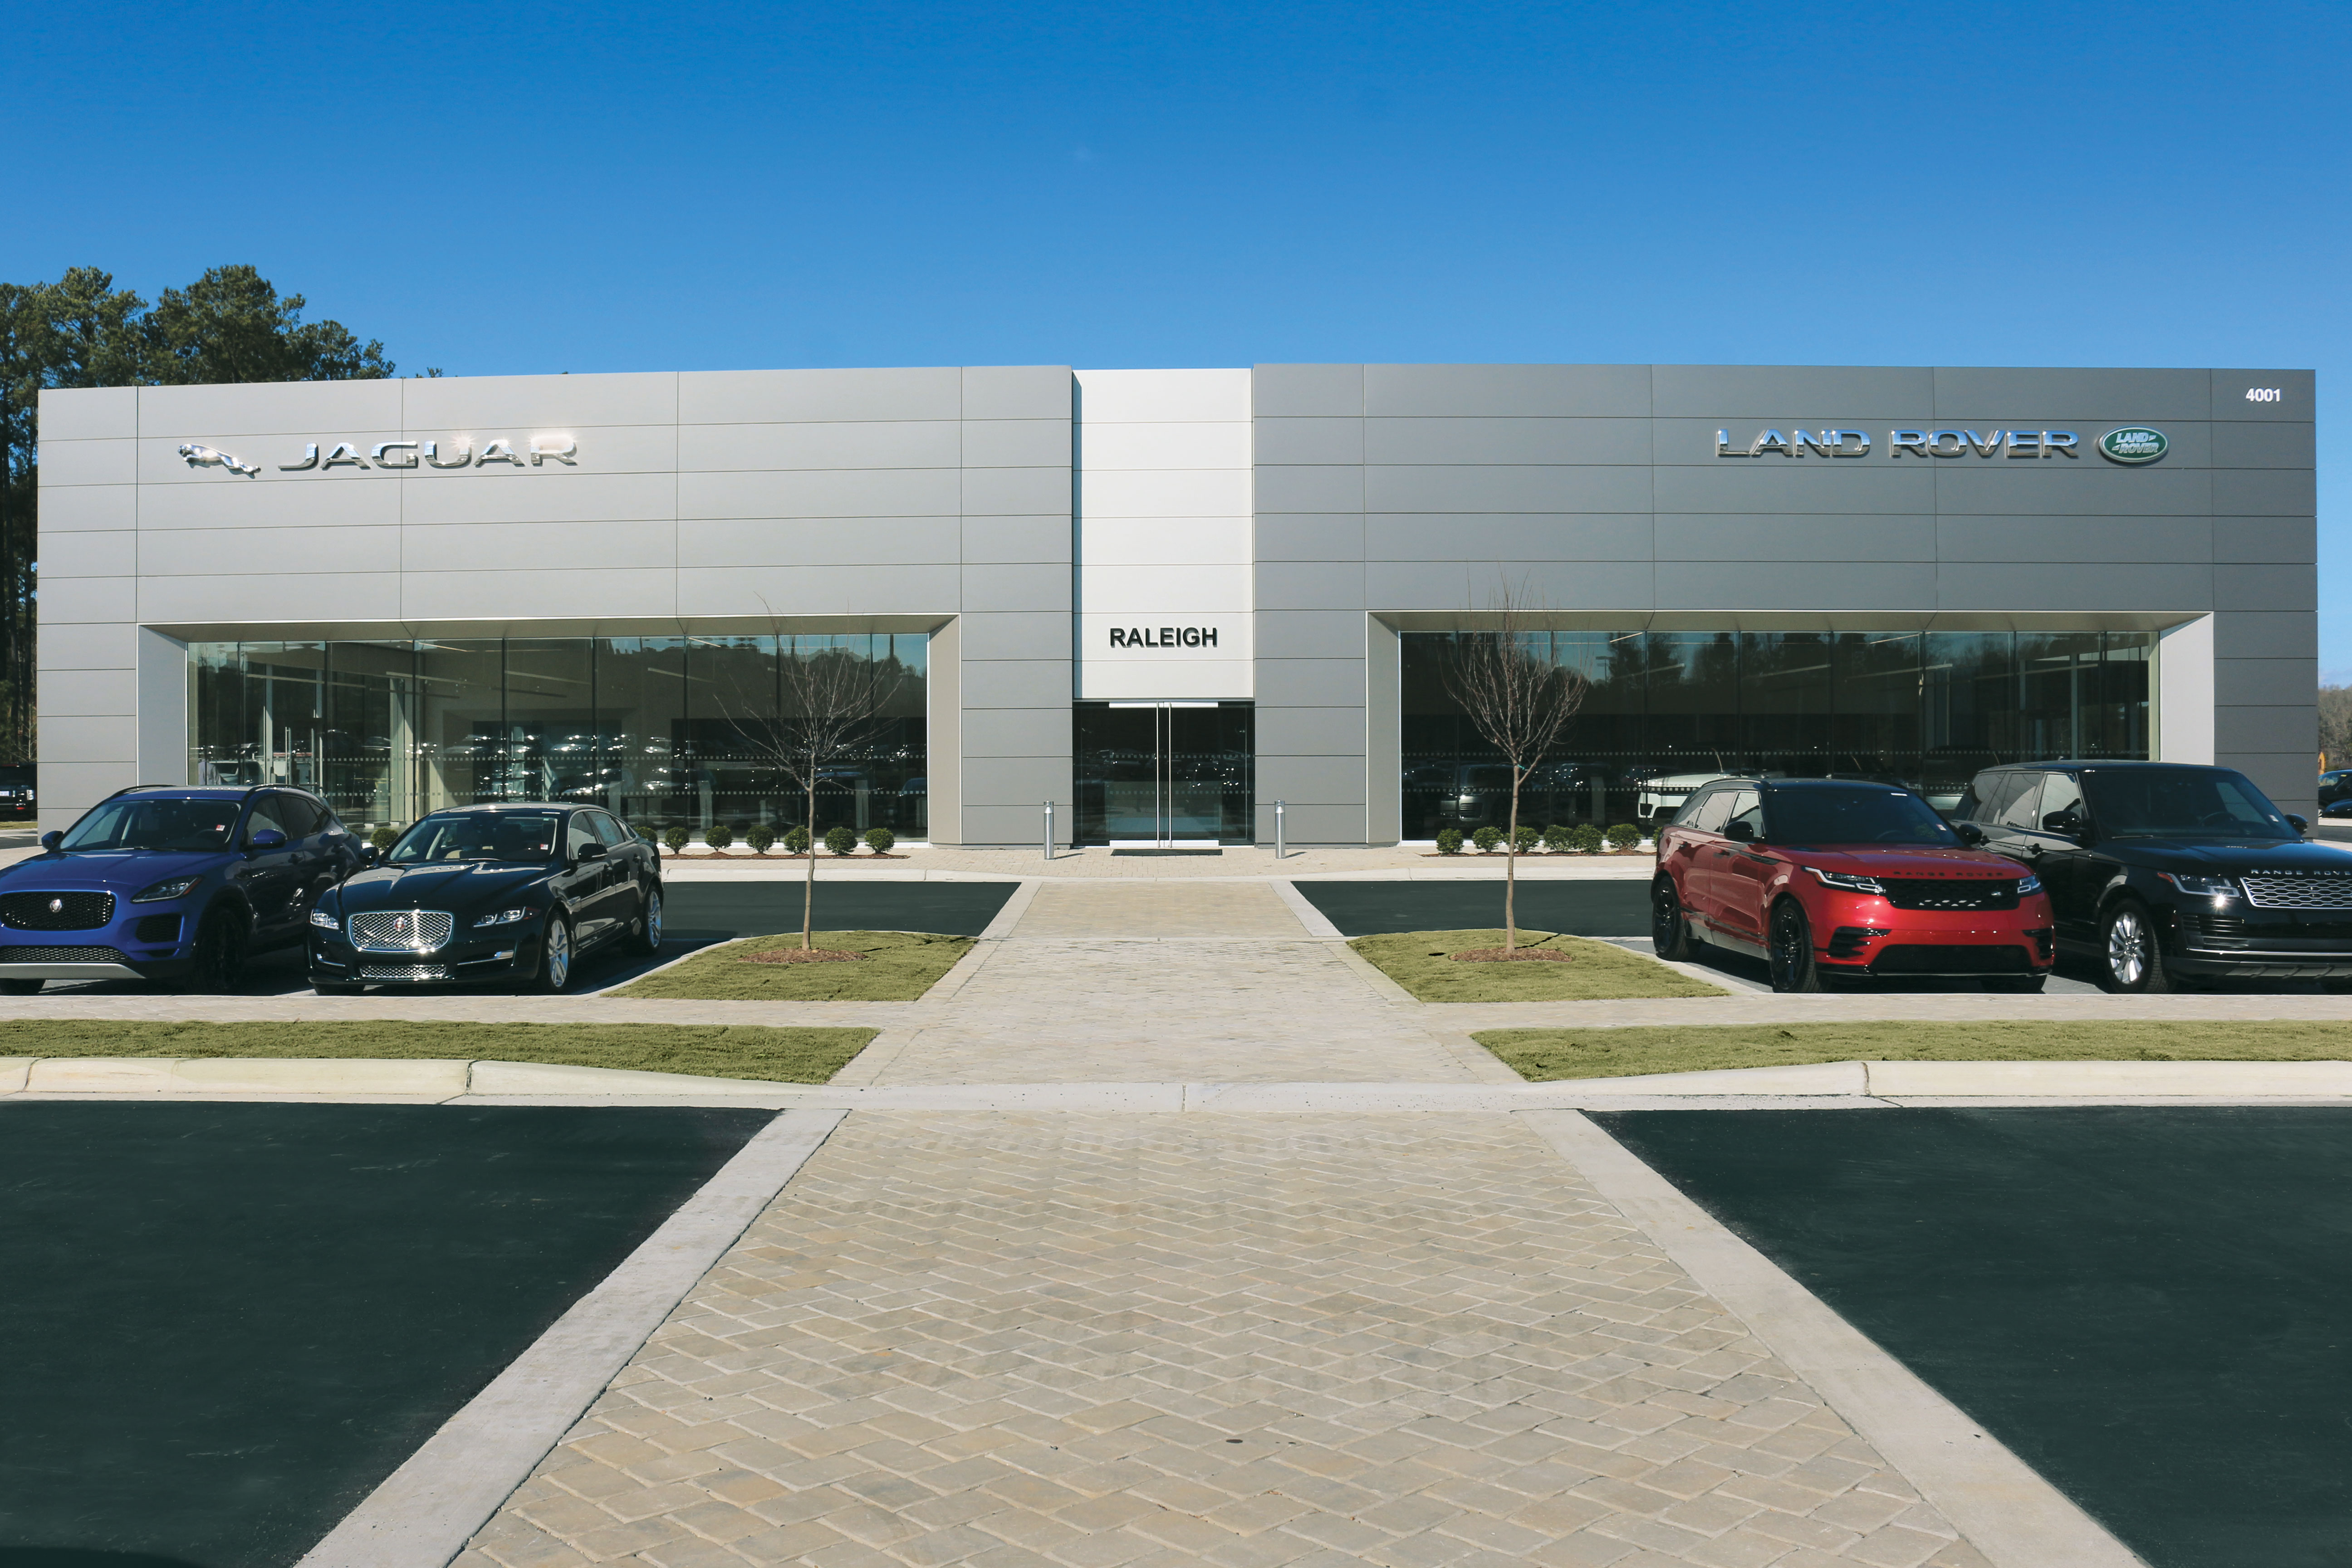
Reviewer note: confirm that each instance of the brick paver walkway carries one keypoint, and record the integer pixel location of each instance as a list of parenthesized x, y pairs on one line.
[(1250, 1341), (1213, 981)]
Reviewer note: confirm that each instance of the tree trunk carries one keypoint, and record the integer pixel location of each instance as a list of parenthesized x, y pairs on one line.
[(808, 887), (1511, 871)]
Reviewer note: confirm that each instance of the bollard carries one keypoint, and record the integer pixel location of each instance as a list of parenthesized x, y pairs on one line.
[(1278, 849), (1049, 830)]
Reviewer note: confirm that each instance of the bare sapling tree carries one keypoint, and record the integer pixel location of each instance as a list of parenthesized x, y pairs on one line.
[(1520, 701), (832, 705)]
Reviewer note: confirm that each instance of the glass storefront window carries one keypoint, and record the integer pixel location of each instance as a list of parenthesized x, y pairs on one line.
[(1924, 708), (665, 731)]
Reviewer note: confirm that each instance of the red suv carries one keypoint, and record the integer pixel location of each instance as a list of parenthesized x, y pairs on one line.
[(1823, 877)]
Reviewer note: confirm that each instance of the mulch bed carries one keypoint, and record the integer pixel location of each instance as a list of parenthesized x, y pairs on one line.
[(1497, 955), (801, 955)]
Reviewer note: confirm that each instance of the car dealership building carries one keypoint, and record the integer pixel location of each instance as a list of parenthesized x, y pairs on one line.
[(1164, 600)]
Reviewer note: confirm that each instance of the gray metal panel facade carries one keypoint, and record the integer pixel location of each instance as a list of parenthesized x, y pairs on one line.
[(1391, 490), (818, 497)]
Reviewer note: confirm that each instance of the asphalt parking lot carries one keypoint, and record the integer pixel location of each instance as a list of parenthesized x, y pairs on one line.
[(2146, 1304), (696, 915), (227, 1323)]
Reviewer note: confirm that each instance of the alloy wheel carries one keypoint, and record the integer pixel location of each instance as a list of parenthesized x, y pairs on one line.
[(653, 922), (1792, 950), (2128, 950), (1665, 920), (558, 959)]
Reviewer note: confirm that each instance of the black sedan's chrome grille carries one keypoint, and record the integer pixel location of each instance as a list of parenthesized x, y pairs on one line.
[(2299, 889), (56, 911), (60, 955), (1956, 893), (400, 931), (403, 972)]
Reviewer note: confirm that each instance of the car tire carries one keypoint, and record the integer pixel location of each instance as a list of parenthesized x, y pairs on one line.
[(556, 957), (1670, 933), (21, 987), (336, 988), (2131, 951), (1791, 949), (646, 940), (220, 951)]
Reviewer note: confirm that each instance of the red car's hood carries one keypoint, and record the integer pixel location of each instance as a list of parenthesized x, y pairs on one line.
[(1889, 861)]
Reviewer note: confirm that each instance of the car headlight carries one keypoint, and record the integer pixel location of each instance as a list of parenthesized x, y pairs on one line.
[(1845, 882), (503, 918), (324, 920), (2201, 886), (2028, 884), (177, 888)]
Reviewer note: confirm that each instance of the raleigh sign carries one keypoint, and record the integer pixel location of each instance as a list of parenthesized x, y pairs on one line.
[(460, 454)]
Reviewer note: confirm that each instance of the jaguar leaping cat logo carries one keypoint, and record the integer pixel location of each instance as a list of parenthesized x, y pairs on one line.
[(211, 458)]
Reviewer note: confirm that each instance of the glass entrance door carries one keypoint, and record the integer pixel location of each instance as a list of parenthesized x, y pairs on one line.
[(1165, 773)]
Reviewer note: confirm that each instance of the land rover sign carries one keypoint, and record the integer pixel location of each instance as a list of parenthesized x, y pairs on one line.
[(2134, 444)]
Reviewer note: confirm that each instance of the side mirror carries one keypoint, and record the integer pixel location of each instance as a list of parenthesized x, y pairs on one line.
[(1970, 834), (2300, 825), (50, 840), (267, 838), (370, 854), (589, 852), (2066, 822), (1739, 832)]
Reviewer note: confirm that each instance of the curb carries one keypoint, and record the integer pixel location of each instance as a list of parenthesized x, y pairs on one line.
[(1847, 1083)]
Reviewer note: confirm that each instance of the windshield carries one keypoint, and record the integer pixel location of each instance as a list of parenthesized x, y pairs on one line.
[(185, 825), (509, 838), (1856, 816), (2181, 803)]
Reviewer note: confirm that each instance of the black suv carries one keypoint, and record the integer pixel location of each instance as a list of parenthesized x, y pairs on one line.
[(2166, 874)]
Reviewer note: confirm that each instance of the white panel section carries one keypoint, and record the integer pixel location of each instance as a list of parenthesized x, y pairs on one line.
[(1165, 537), (2184, 692)]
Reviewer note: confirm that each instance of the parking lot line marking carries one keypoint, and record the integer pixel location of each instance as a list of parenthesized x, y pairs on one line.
[(424, 1511), (2001, 1504)]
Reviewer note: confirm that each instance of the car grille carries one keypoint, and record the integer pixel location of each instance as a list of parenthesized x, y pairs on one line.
[(2299, 890), (1921, 959), (76, 912), (400, 931), (60, 955), (1955, 893), (403, 972)]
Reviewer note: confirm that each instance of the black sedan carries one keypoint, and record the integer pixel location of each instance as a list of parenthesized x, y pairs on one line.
[(490, 893), (2168, 874)]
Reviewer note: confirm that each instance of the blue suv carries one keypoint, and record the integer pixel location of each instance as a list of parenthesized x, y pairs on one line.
[(159, 883)]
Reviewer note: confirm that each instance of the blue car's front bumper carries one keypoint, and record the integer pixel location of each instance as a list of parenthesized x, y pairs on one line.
[(142, 942)]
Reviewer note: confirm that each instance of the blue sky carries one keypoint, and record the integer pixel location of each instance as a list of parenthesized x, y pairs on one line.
[(591, 189)]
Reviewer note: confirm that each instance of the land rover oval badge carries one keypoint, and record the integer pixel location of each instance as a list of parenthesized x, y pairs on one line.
[(2134, 444)]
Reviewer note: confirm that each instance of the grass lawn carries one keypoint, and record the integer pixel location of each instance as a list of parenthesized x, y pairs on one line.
[(899, 967), (1544, 1055), (777, 1056), (1417, 961)]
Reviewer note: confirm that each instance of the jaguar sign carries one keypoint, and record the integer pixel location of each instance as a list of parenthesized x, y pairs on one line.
[(458, 453)]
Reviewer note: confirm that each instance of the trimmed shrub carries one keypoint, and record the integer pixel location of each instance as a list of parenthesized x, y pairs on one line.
[(759, 837), (385, 837), (1525, 839), (1449, 841), (796, 839), (719, 835), (880, 839), (1485, 838), (1585, 839), (676, 838), (1555, 838), (1624, 835), (841, 840)]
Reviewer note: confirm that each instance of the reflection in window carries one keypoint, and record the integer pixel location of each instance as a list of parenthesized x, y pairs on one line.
[(652, 728), (1667, 710)]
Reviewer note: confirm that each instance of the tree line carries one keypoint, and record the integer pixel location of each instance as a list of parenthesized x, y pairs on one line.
[(231, 324)]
